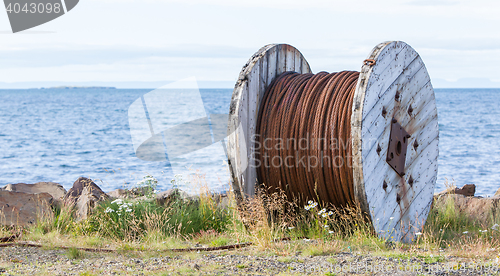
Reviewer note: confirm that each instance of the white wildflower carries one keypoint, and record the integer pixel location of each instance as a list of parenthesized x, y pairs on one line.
[(494, 227), (128, 210), (117, 201), (322, 212), (418, 234), (108, 210), (331, 232), (310, 202), (324, 215), (330, 213), (326, 226), (291, 227), (465, 232)]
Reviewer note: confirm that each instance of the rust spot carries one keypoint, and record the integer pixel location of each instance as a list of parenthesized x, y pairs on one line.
[(397, 96), (384, 112), (384, 185), (379, 149), (410, 110)]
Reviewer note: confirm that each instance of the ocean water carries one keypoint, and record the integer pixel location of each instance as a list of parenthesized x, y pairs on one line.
[(59, 135)]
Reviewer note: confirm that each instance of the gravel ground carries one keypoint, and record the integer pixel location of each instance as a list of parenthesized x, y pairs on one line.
[(37, 261)]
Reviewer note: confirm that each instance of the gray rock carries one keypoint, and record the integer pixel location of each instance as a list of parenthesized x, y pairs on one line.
[(119, 193), (54, 189), (129, 194), (23, 209), (166, 197), (84, 196)]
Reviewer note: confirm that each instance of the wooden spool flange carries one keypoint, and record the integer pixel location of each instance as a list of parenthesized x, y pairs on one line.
[(394, 95)]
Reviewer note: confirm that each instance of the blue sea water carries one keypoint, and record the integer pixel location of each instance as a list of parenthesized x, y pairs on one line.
[(59, 135)]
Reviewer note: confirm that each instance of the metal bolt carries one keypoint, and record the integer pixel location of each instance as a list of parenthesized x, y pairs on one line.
[(379, 149), (384, 185), (415, 145), (384, 112), (394, 120), (410, 110), (397, 96), (410, 181), (398, 198)]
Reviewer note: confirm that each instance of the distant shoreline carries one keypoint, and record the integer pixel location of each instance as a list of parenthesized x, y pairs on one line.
[(79, 87)]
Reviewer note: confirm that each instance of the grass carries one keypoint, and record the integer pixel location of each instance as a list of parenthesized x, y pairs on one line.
[(74, 253), (273, 223)]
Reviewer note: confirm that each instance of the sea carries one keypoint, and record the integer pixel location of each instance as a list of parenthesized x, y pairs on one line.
[(59, 135)]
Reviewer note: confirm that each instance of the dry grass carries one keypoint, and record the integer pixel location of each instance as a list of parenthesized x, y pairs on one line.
[(275, 225)]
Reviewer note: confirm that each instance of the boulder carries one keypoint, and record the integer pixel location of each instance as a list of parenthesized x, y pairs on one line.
[(119, 193), (166, 197), (129, 194), (479, 208), (466, 190), (222, 200), (84, 196), (54, 189), (23, 209)]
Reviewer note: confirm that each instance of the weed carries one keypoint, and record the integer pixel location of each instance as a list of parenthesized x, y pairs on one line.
[(74, 253)]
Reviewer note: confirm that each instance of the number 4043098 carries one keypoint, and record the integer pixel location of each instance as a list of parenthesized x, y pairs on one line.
[(34, 8)]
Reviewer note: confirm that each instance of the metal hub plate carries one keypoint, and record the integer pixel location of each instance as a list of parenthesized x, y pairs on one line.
[(398, 144)]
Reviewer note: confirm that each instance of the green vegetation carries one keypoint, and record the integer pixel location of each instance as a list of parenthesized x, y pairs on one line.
[(74, 253), (275, 226)]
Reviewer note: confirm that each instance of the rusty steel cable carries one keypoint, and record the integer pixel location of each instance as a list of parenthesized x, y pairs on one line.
[(304, 136)]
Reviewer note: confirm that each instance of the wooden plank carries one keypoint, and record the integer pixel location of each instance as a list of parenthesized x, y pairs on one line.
[(375, 121), (378, 80), (356, 127), (298, 61), (374, 177), (290, 58), (425, 169), (254, 90), (272, 65), (373, 158), (281, 59)]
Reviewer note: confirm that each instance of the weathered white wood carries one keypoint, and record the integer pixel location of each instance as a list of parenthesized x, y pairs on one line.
[(262, 68), (398, 69)]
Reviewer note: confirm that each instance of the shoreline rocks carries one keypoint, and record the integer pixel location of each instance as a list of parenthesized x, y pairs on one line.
[(56, 190), (84, 196), (23, 209)]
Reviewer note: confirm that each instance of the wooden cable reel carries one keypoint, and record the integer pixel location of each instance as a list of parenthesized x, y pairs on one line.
[(394, 133)]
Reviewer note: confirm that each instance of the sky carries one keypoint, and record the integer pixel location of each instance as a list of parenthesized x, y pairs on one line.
[(150, 43)]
